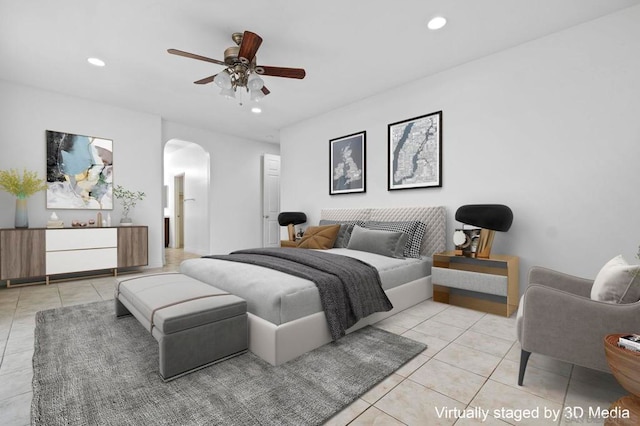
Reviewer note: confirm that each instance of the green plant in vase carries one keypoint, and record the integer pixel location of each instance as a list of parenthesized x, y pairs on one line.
[(22, 187), (128, 199)]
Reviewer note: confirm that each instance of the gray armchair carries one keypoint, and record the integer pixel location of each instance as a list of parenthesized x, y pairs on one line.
[(557, 318)]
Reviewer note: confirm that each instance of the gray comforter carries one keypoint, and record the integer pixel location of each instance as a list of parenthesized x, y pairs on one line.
[(350, 289)]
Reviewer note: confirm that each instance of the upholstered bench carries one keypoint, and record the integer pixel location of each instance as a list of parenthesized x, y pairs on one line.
[(194, 323)]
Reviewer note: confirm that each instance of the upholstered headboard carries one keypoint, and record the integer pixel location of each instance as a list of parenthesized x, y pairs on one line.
[(433, 217)]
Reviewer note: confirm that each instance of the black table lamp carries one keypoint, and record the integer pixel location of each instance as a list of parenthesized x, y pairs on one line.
[(490, 218), (290, 219)]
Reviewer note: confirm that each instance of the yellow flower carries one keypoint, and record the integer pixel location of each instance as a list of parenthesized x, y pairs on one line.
[(21, 186)]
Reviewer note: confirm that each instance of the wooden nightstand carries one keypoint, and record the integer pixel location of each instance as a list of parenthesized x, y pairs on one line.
[(288, 243), (488, 285)]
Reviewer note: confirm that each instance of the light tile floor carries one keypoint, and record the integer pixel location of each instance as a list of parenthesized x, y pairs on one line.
[(471, 364)]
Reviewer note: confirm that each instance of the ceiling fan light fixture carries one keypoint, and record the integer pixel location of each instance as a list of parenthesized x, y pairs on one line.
[(239, 96), (223, 80), (256, 95), (241, 70), (254, 82), (228, 93), (437, 22)]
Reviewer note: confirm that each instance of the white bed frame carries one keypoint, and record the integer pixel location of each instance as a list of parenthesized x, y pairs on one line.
[(278, 344)]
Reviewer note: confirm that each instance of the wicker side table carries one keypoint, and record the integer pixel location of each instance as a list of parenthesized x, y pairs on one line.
[(625, 366)]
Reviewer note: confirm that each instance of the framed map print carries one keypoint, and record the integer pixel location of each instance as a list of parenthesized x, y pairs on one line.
[(415, 152), (79, 171), (347, 164)]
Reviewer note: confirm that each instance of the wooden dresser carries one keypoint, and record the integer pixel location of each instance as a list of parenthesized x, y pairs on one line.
[(37, 253)]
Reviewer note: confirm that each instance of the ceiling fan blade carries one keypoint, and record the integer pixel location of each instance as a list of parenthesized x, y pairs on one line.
[(249, 46), (194, 56), (206, 80), (265, 90), (281, 72)]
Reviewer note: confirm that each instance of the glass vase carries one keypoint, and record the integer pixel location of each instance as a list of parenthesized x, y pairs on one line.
[(22, 214)]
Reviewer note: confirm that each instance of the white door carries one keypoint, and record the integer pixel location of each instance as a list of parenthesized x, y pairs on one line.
[(270, 200)]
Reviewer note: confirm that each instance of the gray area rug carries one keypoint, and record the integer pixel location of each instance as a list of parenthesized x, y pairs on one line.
[(93, 369)]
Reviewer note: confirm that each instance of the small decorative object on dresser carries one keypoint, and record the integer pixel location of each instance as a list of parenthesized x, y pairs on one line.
[(54, 222), (128, 199), (466, 241), (22, 187), (625, 366)]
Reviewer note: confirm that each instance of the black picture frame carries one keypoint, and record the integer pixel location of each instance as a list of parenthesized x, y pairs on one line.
[(347, 164), (415, 153)]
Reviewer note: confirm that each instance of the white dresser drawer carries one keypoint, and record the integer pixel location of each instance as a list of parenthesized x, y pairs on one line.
[(473, 281), (77, 239), (61, 262)]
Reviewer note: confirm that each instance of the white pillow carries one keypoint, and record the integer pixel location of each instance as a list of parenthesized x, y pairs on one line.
[(617, 282)]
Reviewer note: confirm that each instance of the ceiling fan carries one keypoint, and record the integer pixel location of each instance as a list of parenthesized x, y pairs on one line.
[(241, 69)]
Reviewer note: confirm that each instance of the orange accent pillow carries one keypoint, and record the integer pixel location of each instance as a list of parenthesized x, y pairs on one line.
[(319, 237)]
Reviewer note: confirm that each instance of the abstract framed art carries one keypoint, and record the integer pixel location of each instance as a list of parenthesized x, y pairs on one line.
[(415, 152), (79, 171), (347, 164)]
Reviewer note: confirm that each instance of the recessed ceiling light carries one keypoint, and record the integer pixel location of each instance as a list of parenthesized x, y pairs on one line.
[(96, 61), (436, 23), (256, 110)]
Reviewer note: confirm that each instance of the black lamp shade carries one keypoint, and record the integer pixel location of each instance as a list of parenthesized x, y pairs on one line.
[(496, 217), (291, 218)]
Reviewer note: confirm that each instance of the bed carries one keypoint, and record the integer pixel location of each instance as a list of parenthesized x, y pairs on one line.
[(286, 318)]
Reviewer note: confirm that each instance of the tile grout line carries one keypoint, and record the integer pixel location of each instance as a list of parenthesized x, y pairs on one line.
[(468, 328), (489, 378), (403, 378), (486, 379), (13, 318), (381, 410), (566, 392)]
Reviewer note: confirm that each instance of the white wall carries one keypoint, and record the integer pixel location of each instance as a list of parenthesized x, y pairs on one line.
[(549, 128), (193, 162), (235, 200), (235, 197), (26, 114)]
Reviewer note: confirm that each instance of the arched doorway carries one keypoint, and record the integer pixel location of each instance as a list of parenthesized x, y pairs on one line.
[(186, 183)]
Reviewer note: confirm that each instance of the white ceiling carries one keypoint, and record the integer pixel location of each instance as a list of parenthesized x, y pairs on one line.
[(350, 49)]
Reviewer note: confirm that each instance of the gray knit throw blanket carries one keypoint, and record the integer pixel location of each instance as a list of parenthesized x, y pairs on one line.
[(350, 289)]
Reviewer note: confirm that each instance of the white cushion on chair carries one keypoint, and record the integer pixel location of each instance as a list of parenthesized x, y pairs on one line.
[(617, 282)]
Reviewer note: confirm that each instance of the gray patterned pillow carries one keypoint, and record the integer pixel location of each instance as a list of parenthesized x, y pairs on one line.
[(344, 234), (415, 231)]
